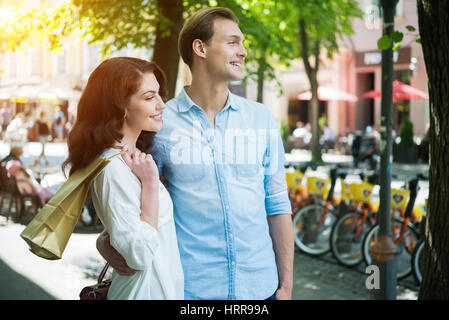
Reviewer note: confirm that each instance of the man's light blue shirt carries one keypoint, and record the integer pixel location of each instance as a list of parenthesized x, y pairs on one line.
[(223, 183)]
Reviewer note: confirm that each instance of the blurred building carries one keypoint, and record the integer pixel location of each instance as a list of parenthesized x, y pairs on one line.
[(356, 69), (33, 79)]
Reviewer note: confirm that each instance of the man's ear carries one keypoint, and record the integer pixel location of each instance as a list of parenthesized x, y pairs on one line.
[(199, 48)]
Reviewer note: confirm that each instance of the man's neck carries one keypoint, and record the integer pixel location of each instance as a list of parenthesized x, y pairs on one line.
[(211, 96)]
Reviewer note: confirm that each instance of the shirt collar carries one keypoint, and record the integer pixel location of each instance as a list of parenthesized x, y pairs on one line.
[(185, 102)]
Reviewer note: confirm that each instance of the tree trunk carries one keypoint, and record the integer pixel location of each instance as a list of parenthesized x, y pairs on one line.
[(166, 46), (312, 74), (314, 120), (260, 79), (434, 30)]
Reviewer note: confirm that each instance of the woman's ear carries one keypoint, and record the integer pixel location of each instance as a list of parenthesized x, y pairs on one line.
[(199, 48)]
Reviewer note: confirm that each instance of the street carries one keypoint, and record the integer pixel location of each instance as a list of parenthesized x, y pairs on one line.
[(26, 276)]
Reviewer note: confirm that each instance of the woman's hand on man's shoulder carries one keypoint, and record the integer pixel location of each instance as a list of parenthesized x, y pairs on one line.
[(143, 166)]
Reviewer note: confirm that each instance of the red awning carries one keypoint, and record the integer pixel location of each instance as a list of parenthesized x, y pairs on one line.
[(401, 91), (328, 93)]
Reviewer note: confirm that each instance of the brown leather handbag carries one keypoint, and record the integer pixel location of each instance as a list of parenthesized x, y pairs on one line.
[(99, 291)]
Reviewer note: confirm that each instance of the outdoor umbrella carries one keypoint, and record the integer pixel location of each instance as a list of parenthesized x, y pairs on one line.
[(401, 91), (328, 93)]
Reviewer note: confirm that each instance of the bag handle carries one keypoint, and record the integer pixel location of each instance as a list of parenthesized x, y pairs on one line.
[(103, 273), (118, 154)]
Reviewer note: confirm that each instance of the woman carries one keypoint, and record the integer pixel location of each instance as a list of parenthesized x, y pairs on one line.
[(26, 182), (123, 98)]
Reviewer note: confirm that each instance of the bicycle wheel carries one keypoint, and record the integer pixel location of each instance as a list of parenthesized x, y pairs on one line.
[(346, 238), (418, 261), (405, 247), (311, 231)]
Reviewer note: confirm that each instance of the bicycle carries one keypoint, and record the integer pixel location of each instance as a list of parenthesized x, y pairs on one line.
[(349, 229), (418, 254), (404, 232), (297, 193), (312, 223)]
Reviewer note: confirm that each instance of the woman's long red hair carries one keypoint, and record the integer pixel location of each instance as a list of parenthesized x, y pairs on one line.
[(101, 109)]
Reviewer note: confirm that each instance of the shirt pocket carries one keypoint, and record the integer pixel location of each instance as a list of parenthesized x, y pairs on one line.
[(249, 160)]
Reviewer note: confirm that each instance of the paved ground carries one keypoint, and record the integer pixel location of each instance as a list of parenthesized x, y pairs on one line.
[(25, 276), (322, 278)]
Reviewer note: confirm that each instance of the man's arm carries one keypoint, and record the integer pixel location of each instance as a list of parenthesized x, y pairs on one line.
[(112, 256), (281, 232), (279, 209)]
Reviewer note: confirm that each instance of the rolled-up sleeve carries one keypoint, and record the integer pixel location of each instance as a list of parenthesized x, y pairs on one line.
[(118, 206), (276, 195)]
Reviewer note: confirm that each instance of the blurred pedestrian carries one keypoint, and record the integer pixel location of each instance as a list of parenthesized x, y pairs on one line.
[(6, 118), (327, 140), (27, 183), (300, 130), (300, 136), (355, 148), (43, 132), (58, 124), (369, 148), (16, 131)]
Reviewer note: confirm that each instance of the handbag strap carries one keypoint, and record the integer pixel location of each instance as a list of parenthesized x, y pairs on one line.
[(103, 272)]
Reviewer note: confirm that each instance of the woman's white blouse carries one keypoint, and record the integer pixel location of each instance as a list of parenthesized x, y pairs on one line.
[(116, 194)]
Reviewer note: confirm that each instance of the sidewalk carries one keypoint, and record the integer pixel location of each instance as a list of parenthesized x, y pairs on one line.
[(322, 278), (26, 276)]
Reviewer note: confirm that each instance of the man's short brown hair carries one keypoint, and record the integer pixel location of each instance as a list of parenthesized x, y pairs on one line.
[(200, 26)]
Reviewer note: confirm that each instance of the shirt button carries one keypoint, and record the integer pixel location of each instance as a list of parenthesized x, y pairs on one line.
[(227, 207), (222, 180), (233, 263), (230, 235)]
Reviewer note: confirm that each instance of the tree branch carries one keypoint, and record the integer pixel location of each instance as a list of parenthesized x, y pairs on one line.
[(317, 55), (304, 47)]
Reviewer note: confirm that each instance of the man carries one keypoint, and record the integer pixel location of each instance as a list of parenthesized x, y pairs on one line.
[(224, 160)]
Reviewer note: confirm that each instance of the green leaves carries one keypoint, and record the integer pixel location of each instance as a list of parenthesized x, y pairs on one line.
[(384, 42), (36, 26), (397, 36)]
